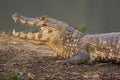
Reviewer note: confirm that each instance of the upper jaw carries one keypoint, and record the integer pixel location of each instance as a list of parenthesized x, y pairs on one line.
[(29, 21)]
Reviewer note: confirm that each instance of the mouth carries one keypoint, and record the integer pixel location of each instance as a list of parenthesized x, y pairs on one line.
[(28, 21)]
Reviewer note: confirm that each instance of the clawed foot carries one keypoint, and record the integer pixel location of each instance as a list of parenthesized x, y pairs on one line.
[(69, 62)]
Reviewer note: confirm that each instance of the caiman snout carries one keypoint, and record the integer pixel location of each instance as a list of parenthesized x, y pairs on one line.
[(29, 21), (15, 17)]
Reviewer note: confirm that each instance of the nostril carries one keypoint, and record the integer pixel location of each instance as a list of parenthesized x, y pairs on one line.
[(15, 15), (42, 17)]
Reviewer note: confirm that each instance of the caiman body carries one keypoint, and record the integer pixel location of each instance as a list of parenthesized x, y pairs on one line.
[(68, 42)]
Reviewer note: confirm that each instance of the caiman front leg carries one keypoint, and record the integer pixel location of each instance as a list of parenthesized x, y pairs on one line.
[(30, 37), (82, 57)]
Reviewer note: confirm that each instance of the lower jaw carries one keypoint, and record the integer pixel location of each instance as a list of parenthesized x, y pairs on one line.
[(28, 35)]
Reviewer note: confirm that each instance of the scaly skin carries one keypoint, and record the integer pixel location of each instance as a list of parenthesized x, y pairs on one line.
[(68, 42)]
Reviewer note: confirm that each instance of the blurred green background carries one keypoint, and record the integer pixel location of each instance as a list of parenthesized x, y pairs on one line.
[(96, 15)]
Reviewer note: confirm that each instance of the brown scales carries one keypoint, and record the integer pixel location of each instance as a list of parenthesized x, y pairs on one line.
[(68, 42)]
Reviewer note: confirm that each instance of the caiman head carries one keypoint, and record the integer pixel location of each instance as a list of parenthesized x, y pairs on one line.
[(60, 37), (49, 28)]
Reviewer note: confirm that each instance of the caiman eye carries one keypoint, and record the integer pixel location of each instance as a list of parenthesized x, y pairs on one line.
[(43, 18)]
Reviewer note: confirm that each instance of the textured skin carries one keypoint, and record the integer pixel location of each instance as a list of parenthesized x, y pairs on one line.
[(68, 42)]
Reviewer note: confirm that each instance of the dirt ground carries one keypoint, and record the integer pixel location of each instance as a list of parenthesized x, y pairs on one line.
[(41, 62)]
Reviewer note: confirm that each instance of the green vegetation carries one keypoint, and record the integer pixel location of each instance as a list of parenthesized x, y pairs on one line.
[(17, 76), (81, 28), (88, 61), (31, 76)]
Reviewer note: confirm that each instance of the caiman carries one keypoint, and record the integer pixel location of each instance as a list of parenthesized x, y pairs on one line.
[(68, 42)]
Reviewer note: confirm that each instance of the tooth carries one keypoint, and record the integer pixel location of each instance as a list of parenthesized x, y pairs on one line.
[(22, 35), (15, 20), (30, 23), (22, 21), (37, 36), (15, 33), (30, 35)]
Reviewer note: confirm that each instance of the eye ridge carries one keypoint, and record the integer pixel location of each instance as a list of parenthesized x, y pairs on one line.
[(43, 17)]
